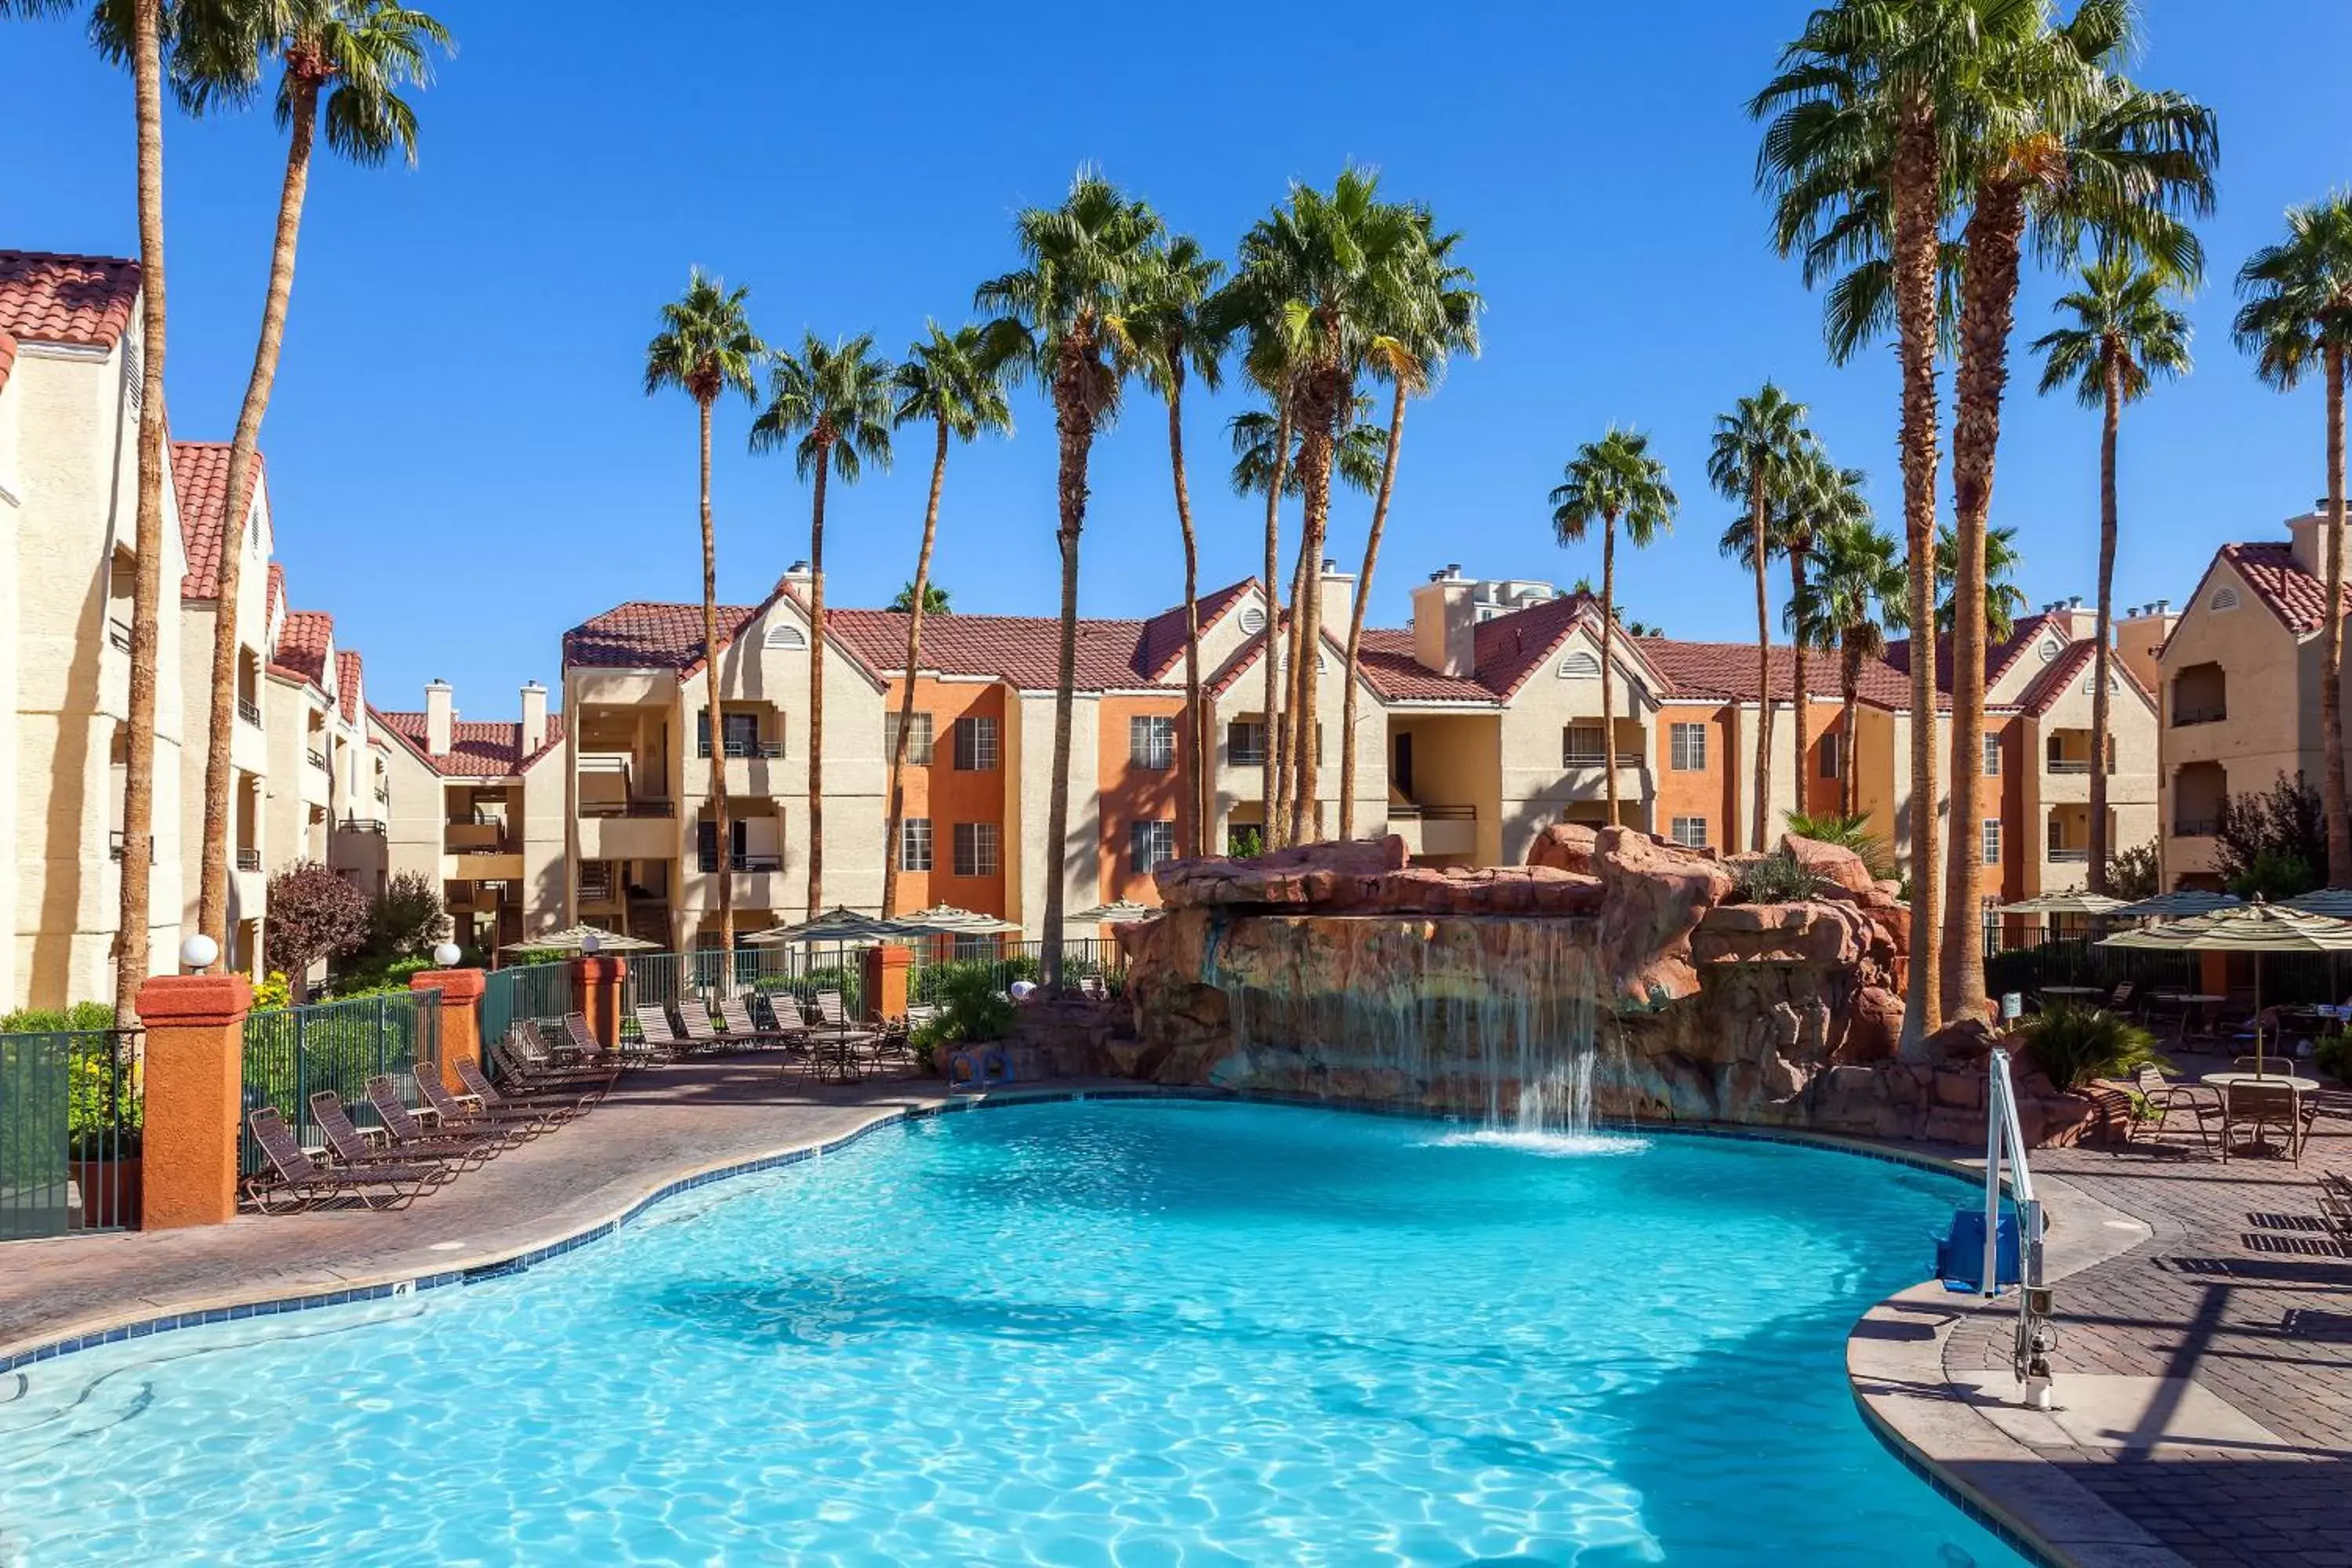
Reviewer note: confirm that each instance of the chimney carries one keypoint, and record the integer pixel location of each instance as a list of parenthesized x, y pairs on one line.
[(534, 717), (797, 576), (1444, 618), (440, 717), (2307, 536), (1339, 600), (2140, 635)]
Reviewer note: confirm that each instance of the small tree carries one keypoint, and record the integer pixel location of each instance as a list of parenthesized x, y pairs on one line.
[(313, 914), (2261, 840), (2134, 873), (406, 918)]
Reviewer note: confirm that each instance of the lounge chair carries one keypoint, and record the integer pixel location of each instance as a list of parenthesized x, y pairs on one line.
[(455, 1114), (2203, 1104), (793, 1043), (2247, 1107), (471, 1149), (351, 1147), (556, 1105), (828, 1010), (653, 1027), (534, 1072), (694, 1020), (296, 1182)]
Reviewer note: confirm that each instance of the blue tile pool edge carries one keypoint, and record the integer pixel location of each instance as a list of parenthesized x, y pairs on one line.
[(1945, 1485)]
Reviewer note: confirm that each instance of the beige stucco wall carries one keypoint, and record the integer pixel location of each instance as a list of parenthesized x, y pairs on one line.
[(1239, 792), (2273, 699), (1029, 797), (1536, 788)]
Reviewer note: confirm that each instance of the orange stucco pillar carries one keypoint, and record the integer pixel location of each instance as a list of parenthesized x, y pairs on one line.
[(597, 981), (196, 1091), (885, 980), (461, 1018)]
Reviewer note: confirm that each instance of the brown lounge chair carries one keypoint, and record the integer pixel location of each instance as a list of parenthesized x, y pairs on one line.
[(481, 1145), (653, 1027), (455, 1113), (556, 1105), (694, 1019), (296, 1182), (525, 1060), (351, 1147), (2247, 1107)]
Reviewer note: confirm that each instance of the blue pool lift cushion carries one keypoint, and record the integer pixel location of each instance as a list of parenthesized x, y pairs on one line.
[(1959, 1257)]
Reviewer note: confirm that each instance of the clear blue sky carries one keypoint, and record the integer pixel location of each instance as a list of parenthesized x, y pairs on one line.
[(463, 462)]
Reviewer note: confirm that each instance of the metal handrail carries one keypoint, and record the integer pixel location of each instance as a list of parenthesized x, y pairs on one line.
[(117, 632), (2193, 827), (249, 711), (1412, 813), (742, 862), (318, 757), (2214, 714)]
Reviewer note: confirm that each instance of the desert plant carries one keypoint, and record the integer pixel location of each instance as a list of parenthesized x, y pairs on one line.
[(2076, 1045), (1775, 879), (2332, 1054), (971, 1008), (1847, 832), (2136, 872)]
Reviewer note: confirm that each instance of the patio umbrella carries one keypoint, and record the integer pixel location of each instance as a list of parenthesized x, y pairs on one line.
[(946, 919), (2256, 928), (578, 939), (840, 924), (2072, 902), (2179, 904), (2333, 901), (1125, 912)]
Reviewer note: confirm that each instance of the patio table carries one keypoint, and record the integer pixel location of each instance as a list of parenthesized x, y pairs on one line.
[(2202, 1003), (835, 1050), (2222, 1083)]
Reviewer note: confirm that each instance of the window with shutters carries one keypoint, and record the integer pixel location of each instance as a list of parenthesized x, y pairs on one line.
[(975, 744), (977, 849), (919, 738), (784, 634), (1253, 621), (1687, 748), (1580, 666)]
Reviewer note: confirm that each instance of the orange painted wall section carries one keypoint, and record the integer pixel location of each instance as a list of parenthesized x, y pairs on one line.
[(1696, 792), (948, 795), (1130, 795)]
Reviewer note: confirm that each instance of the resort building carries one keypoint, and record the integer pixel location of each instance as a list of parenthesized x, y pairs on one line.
[(70, 392), (2239, 672)]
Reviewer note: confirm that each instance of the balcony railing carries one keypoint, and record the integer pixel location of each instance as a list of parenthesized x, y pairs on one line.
[(2070, 765), (2209, 713), (318, 758), (772, 750), (350, 824), (249, 859), (249, 711), (1597, 760), (741, 862), (502, 846), (2192, 828), (628, 809), (2070, 857), (1433, 814), (117, 632)]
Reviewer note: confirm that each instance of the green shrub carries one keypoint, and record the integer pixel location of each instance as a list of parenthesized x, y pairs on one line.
[(2076, 1045), (54, 1020), (275, 991), (2275, 876), (375, 977), (2332, 1052), (1847, 833), (105, 1114), (971, 1009), (1776, 878)]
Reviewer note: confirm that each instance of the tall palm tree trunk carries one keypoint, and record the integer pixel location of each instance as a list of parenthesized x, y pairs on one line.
[(1607, 669), (817, 691), (1203, 762), (1801, 695), (1760, 815), (1913, 191), (914, 662), (1293, 698), (1849, 702), (1996, 229), (1332, 395), (131, 937), (213, 874), (1362, 597), (722, 839), (2102, 742), (1271, 766), (2331, 680), (1074, 425)]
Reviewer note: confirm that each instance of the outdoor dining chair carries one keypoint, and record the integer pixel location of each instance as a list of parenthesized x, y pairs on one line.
[(2248, 1108), (2201, 1104)]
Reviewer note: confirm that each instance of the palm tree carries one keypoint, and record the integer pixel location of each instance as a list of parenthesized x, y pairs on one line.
[(1165, 331), (2004, 601), (1336, 272), (1357, 461), (707, 347), (1442, 319), (1081, 259), (1757, 452), (935, 600), (1612, 480), (1856, 594), (349, 59), (836, 399), (2297, 315), (957, 382), (2123, 334)]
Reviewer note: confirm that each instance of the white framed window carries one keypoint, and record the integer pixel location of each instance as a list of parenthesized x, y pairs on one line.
[(1580, 666), (1245, 743), (1151, 741), (915, 844), (978, 849), (1992, 840), (1583, 747), (1151, 845), (919, 737), (1992, 756), (1830, 757), (784, 634), (1687, 748), (1690, 830), (1253, 621), (975, 744)]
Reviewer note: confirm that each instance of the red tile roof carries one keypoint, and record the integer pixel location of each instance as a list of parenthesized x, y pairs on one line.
[(347, 684), (303, 642), (1725, 672), (1386, 658), (476, 750), (277, 599), (1163, 634), (642, 634), (200, 478), (7, 357), (2058, 674), (83, 299), (1999, 655), (2296, 597)]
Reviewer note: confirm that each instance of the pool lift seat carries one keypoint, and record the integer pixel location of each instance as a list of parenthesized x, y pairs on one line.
[(1995, 1248)]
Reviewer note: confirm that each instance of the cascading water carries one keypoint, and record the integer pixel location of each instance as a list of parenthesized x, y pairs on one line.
[(1487, 1017)]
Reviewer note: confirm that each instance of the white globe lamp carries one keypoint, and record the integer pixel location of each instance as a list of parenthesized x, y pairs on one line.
[(446, 955), (589, 944), (198, 951)]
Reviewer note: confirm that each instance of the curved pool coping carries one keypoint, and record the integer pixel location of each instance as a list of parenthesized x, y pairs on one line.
[(1897, 1380)]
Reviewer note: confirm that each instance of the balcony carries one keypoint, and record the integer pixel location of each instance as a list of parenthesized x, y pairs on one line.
[(249, 711), (2192, 828), (759, 882), (2213, 713), (350, 824), (117, 633), (2071, 857), (772, 750), (484, 863), (249, 859), (1437, 829), (632, 830), (2201, 695)]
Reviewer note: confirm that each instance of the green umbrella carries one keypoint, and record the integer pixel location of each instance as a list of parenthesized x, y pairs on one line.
[(2256, 928)]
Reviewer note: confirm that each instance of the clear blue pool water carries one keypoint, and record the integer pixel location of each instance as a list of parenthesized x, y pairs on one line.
[(1128, 1333)]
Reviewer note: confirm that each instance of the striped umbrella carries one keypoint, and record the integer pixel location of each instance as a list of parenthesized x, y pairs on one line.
[(2256, 928), (1124, 912), (583, 939), (2336, 901), (2074, 901), (2179, 904), (946, 919)]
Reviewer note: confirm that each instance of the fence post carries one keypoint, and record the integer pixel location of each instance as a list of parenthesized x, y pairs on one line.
[(195, 1093), (461, 1018), (884, 980), (598, 981)]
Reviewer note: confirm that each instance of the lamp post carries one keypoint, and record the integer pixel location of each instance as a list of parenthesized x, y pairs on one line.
[(198, 952), (445, 955)]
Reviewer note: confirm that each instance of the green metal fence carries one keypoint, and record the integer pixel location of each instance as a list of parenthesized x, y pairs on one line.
[(526, 990), (70, 1118), (291, 1053)]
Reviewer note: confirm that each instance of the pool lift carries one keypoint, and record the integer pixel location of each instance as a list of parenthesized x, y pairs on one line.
[(1990, 1252)]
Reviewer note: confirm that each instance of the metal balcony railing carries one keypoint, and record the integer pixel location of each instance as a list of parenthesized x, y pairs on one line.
[(2208, 713), (2192, 828), (117, 632), (1597, 760), (249, 711), (771, 749), (2070, 857), (249, 859), (2070, 765), (1410, 813), (351, 823), (648, 808), (741, 862), (318, 758)]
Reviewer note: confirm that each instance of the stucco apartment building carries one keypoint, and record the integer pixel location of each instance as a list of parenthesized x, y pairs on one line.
[(2240, 670)]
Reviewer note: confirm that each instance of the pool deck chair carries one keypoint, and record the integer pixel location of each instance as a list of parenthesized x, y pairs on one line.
[(555, 1105), (478, 1146), (653, 1027), (533, 1072), (736, 1014), (694, 1021), (295, 1182), (351, 1147), (452, 1113)]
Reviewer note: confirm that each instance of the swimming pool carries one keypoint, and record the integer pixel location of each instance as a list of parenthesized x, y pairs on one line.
[(1132, 1332)]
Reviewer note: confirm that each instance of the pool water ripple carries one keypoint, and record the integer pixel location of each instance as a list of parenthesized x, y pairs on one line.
[(1132, 1334)]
